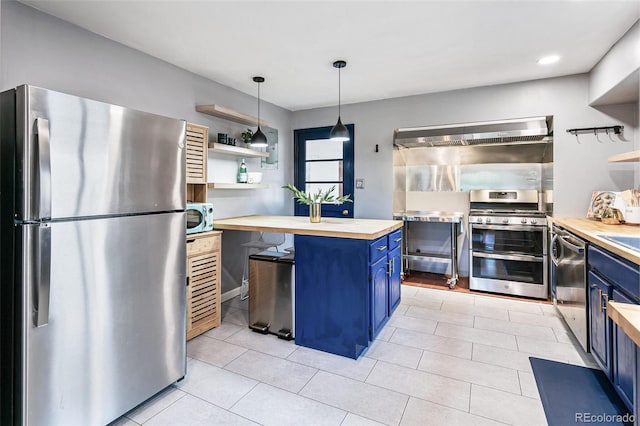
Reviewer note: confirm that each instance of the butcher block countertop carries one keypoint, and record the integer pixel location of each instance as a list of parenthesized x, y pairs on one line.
[(627, 316), (362, 229), (591, 229)]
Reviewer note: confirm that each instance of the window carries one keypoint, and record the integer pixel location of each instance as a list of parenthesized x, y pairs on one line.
[(321, 163)]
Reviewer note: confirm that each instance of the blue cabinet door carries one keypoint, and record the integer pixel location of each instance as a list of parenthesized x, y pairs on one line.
[(599, 325), (624, 358), (332, 294), (379, 297), (341, 292), (395, 265)]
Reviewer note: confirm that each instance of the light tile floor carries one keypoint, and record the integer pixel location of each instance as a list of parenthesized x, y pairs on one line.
[(444, 358)]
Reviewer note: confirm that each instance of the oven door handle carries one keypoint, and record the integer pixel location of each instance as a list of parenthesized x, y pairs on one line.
[(508, 227), (522, 257)]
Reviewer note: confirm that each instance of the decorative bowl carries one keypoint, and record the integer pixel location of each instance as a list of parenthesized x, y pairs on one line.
[(254, 177)]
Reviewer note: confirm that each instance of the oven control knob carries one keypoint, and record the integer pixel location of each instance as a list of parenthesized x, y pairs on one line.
[(533, 221), (505, 220), (487, 220), (524, 220)]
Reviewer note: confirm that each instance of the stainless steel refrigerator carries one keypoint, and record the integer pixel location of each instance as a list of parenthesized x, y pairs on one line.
[(92, 244)]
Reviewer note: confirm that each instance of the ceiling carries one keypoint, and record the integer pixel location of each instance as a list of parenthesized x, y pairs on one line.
[(392, 48)]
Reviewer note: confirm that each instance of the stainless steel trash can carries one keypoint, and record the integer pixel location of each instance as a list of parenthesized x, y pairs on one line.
[(271, 293)]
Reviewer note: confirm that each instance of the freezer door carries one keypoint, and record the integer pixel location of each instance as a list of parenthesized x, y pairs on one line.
[(78, 157), (114, 332)]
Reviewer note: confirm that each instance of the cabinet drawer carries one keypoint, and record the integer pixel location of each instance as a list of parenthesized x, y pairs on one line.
[(377, 248), (618, 272), (394, 239), (201, 245)]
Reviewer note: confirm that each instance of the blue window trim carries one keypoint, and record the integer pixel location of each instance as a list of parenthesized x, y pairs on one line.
[(299, 149)]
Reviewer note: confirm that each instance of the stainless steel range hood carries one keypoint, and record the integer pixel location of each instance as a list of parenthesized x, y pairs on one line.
[(514, 131)]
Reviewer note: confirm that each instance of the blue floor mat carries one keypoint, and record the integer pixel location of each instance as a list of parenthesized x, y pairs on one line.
[(572, 394)]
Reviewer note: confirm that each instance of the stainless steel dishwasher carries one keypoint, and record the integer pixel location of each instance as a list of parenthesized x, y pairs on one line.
[(271, 293), (568, 254)]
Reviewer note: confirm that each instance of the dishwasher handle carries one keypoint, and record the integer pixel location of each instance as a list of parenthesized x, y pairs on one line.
[(571, 246), (555, 250)]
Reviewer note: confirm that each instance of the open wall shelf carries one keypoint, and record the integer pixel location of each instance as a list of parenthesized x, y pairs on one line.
[(229, 114), (238, 151), (627, 157), (225, 185)]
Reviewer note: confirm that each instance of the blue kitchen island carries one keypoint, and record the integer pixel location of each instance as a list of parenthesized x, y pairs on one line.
[(347, 277)]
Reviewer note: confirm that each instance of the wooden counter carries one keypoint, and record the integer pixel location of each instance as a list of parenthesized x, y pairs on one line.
[(591, 229), (627, 316), (361, 229)]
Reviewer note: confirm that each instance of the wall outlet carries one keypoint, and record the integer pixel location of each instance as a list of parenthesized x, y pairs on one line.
[(359, 183)]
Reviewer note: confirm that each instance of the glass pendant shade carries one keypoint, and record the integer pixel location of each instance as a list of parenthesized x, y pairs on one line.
[(339, 132), (259, 140)]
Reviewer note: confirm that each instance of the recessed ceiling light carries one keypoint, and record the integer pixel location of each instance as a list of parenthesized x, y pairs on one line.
[(549, 60)]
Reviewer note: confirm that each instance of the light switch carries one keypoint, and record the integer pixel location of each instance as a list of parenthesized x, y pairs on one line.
[(359, 183)]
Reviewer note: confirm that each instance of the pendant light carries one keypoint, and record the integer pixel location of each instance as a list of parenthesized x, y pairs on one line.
[(258, 140), (339, 132)]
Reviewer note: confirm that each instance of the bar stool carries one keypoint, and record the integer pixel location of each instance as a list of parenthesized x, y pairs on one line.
[(265, 241)]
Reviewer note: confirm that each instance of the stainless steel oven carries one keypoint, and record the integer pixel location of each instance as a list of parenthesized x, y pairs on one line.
[(508, 243)]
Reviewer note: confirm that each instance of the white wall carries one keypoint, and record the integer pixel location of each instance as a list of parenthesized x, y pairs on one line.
[(42, 50), (618, 68), (580, 166), (616, 78)]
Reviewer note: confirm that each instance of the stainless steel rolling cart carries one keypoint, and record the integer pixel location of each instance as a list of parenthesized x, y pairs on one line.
[(411, 252)]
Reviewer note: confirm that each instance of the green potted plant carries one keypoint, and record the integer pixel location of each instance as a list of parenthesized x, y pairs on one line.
[(314, 201), (246, 136)]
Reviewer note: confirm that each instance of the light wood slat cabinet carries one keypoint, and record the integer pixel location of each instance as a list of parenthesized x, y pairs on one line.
[(197, 145), (203, 282)]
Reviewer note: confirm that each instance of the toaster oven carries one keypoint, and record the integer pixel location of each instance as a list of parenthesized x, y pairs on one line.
[(199, 217)]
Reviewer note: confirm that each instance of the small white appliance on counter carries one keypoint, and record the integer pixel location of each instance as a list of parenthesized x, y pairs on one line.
[(199, 217)]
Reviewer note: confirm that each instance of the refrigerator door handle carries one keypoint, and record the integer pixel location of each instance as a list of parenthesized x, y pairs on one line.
[(44, 168), (42, 276)]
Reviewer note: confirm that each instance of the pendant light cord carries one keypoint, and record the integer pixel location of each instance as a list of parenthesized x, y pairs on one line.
[(339, 70), (258, 105)]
